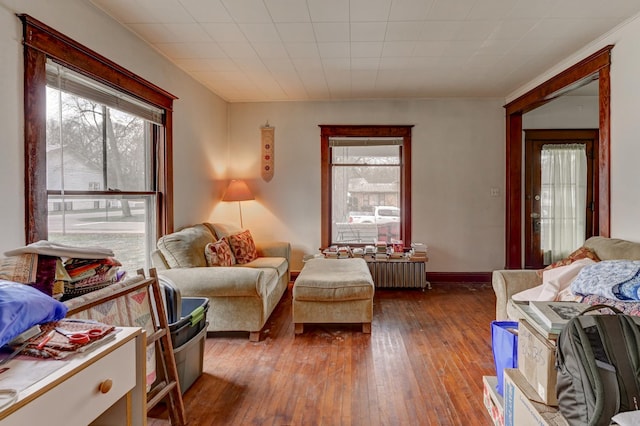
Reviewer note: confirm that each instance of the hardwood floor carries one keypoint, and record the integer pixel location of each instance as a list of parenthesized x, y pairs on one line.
[(422, 365)]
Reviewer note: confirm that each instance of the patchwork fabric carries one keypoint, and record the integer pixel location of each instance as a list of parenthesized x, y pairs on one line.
[(36, 270), (132, 309), (581, 253), (614, 279), (219, 253), (244, 248)]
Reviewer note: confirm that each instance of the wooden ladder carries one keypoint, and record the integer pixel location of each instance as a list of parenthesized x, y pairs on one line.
[(168, 388)]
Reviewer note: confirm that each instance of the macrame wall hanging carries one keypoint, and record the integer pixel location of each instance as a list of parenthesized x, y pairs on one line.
[(267, 151)]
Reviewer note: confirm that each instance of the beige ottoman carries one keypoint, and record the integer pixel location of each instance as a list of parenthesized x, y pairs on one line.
[(333, 291)]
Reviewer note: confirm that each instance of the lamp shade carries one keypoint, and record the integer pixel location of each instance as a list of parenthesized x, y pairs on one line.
[(238, 191)]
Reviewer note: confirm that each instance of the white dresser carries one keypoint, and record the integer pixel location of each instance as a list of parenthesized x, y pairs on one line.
[(104, 386)]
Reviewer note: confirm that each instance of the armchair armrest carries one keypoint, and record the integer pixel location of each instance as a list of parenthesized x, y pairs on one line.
[(508, 282), (218, 281), (274, 249)]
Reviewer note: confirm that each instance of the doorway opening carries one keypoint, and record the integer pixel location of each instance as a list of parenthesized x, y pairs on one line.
[(561, 178)]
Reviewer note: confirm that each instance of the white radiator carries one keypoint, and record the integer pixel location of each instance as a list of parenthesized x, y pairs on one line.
[(398, 273)]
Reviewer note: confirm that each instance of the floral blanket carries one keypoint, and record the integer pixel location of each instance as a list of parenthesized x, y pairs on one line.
[(613, 279)]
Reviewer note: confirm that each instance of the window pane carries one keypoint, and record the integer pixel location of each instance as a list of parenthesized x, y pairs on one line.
[(124, 225), (385, 154), (94, 147), (365, 202)]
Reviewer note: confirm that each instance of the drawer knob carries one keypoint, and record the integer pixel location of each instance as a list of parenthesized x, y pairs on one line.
[(106, 386)]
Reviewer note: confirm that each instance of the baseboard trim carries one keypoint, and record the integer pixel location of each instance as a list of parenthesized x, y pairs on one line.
[(444, 277), (459, 277)]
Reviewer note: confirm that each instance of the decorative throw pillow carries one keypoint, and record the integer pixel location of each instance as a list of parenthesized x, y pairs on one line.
[(581, 253), (244, 249), (219, 253), (36, 270)]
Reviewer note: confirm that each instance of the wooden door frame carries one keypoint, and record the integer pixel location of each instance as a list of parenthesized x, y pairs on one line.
[(534, 140), (595, 66)]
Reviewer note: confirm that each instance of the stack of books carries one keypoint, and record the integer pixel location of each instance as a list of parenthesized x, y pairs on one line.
[(369, 250), (381, 250), (357, 252), (344, 252), (331, 252), (419, 251), (549, 318)]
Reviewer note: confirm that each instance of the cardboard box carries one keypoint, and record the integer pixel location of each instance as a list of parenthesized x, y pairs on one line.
[(536, 362), (492, 401), (520, 409)]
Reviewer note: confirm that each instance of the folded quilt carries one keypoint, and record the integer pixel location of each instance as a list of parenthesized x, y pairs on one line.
[(614, 279), (62, 250)]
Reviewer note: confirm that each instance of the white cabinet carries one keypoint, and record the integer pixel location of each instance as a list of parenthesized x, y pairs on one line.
[(105, 386)]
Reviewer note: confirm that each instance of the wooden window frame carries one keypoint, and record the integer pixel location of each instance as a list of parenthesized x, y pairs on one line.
[(42, 42), (599, 65), (398, 131)]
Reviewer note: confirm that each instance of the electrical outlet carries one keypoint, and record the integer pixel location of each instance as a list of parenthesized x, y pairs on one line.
[(495, 192)]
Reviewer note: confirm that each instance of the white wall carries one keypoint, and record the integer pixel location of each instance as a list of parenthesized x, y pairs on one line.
[(458, 156), (625, 122), (200, 118), (566, 112)]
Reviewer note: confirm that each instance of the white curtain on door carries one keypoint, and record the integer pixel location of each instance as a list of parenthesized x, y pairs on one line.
[(563, 203)]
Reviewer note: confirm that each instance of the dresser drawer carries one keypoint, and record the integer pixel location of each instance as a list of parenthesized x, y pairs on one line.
[(79, 400)]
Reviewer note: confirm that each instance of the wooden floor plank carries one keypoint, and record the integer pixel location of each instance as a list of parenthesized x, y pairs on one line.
[(422, 365)]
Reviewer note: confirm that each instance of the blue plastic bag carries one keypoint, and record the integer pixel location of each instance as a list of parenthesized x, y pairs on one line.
[(504, 343)]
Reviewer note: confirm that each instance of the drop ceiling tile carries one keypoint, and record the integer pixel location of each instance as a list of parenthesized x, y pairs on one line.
[(334, 50), (271, 50), (366, 49), (409, 10), (512, 29), (328, 10), (280, 66), (490, 9), (260, 32), (365, 64), (206, 10), (450, 9), (224, 32), (398, 48), (496, 47), (336, 64), (368, 31), (440, 30), (306, 65), (404, 30), (247, 11), (302, 50), (166, 11), (212, 65), (331, 31), (462, 48), (238, 50), (191, 50), (532, 9), (288, 11), (431, 48), (185, 33), (369, 10), (476, 30), (399, 64), (296, 32)]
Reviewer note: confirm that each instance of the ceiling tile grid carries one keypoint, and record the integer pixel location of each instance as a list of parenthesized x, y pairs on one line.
[(275, 50)]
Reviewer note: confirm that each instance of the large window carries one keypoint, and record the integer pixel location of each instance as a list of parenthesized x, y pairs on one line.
[(98, 150), (366, 184)]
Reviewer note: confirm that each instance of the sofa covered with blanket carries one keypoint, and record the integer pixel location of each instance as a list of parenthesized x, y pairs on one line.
[(507, 283), (243, 287)]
